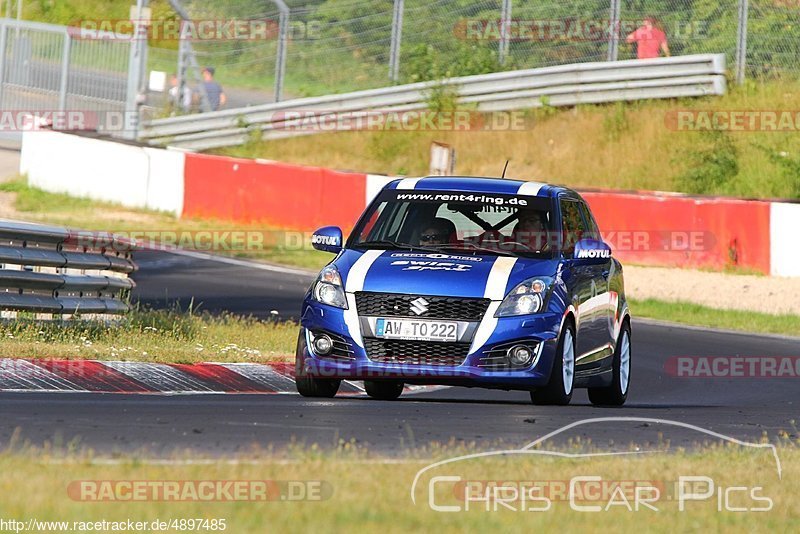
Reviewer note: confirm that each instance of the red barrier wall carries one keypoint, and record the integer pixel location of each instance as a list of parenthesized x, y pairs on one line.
[(289, 196), (644, 228), (726, 232)]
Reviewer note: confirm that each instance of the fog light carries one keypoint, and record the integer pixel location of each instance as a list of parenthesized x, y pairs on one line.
[(323, 345), (519, 355)]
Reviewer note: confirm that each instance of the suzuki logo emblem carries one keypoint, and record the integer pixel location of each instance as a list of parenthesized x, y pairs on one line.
[(419, 306)]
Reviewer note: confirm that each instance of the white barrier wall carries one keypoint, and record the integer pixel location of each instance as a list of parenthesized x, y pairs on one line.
[(126, 174), (165, 180), (784, 221)]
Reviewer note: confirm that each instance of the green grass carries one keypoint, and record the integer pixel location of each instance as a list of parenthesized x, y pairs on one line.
[(155, 336), (369, 494), (695, 314)]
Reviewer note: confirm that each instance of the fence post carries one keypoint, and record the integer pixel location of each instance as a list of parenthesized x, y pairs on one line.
[(741, 42), (505, 23), (3, 48), (280, 61), (65, 55), (135, 73), (613, 31), (397, 37)]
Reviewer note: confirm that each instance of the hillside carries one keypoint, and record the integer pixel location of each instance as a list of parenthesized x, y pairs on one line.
[(620, 146)]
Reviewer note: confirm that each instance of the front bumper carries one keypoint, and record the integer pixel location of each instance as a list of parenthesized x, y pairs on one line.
[(540, 331)]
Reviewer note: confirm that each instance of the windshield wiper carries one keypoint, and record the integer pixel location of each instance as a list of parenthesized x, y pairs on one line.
[(466, 246), (394, 244)]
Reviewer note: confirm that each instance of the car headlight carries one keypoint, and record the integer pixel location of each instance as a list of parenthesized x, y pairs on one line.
[(328, 288), (528, 297)]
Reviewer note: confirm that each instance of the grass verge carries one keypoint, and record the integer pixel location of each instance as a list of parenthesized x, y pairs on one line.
[(343, 489), (697, 315), (153, 336)]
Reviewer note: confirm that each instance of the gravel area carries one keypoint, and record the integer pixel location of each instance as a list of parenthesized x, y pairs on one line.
[(716, 290)]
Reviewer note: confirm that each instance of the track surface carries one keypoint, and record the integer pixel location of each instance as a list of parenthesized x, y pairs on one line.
[(223, 424)]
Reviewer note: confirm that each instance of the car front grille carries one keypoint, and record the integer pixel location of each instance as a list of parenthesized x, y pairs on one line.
[(416, 352), (395, 305)]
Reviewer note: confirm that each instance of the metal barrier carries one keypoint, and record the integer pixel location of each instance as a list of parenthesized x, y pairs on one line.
[(564, 85), (48, 270)]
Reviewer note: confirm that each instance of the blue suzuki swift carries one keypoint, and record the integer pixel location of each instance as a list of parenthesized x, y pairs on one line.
[(477, 282)]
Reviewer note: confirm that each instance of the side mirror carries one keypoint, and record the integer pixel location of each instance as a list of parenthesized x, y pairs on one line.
[(327, 239), (592, 251)]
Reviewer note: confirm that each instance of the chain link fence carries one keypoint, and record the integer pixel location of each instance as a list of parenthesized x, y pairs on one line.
[(335, 46), (46, 69)]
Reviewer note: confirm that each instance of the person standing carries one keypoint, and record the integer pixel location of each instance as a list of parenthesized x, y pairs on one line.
[(216, 96), (178, 102), (649, 39)]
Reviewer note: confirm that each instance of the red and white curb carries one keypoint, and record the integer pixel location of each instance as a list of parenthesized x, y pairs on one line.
[(89, 376)]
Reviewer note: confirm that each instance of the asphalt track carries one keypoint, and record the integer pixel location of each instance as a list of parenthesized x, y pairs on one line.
[(743, 408)]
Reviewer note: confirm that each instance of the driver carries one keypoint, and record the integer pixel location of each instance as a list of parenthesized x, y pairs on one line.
[(438, 232), (531, 229)]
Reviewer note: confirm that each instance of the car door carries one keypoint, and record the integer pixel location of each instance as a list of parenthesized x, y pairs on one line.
[(600, 307), (580, 282)]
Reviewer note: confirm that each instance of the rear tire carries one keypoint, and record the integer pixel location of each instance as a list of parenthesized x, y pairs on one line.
[(558, 390), (383, 390), (617, 393)]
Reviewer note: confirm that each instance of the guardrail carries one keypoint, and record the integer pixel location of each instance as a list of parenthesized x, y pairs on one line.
[(48, 270), (563, 85)]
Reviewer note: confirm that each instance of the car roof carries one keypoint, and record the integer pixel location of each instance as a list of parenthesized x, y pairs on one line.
[(477, 184)]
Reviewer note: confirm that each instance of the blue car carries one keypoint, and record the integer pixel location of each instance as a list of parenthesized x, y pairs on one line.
[(478, 282)]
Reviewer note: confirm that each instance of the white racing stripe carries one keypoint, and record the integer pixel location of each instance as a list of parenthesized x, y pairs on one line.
[(408, 183), (530, 188), (496, 291), (355, 282), (498, 278)]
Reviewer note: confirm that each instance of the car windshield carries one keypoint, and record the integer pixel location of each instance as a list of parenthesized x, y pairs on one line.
[(443, 221)]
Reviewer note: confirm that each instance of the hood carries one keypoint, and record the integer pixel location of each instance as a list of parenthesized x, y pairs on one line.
[(458, 275)]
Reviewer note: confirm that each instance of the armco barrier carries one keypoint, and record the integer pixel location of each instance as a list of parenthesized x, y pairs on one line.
[(560, 85), (747, 234), (55, 271)]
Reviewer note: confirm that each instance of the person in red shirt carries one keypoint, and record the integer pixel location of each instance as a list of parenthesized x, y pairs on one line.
[(649, 40)]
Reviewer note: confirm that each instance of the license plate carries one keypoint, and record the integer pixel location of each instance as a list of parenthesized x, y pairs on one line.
[(416, 330)]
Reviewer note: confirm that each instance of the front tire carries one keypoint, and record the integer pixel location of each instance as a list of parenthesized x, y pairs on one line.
[(383, 390), (617, 393), (308, 386), (558, 390)]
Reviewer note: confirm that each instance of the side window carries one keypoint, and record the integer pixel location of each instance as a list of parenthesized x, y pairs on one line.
[(573, 227), (592, 231)]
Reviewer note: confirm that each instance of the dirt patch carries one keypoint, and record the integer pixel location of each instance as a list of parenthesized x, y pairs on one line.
[(7, 209), (715, 290)]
